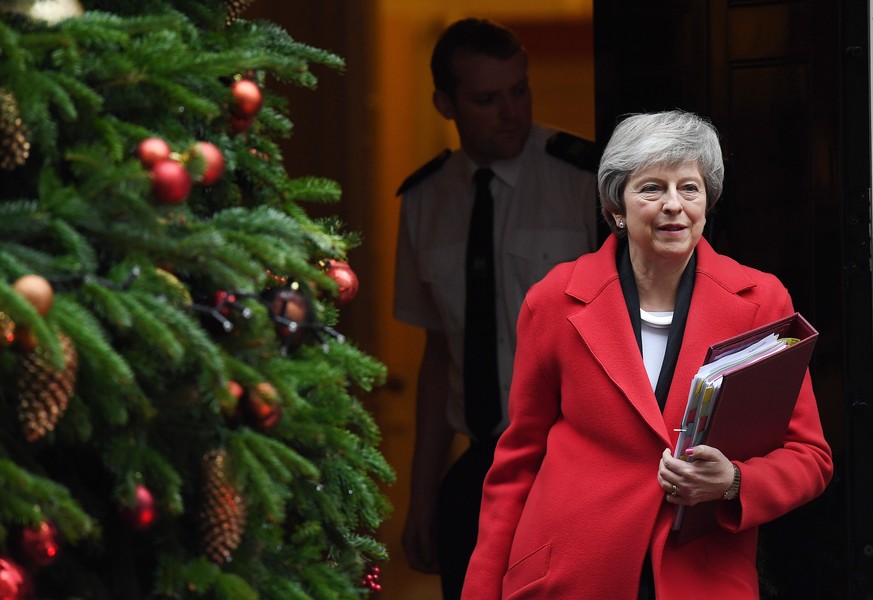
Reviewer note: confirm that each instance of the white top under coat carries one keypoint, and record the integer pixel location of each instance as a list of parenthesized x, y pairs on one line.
[(655, 329)]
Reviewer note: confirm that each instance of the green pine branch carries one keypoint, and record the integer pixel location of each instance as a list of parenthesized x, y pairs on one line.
[(136, 287)]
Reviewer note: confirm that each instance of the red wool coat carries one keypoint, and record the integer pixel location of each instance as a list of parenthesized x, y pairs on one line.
[(572, 503)]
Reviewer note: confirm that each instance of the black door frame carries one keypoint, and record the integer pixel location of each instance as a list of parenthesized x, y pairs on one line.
[(858, 294)]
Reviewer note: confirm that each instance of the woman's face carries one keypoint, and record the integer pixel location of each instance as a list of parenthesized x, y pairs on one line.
[(665, 210)]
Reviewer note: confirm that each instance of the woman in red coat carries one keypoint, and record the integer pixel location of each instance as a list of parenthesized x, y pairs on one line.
[(581, 496)]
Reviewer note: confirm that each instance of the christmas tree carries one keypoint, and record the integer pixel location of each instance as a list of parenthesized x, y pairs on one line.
[(179, 414)]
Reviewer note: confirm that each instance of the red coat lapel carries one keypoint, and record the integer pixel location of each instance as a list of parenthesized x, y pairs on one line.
[(605, 328), (602, 322), (718, 311)]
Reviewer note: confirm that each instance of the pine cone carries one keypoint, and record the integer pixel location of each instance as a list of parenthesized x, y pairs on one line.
[(223, 516), (43, 392), (235, 8), (14, 147)]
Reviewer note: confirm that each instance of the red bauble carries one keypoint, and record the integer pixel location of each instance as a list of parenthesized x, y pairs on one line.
[(345, 278), (14, 581), (151, 150), (170, 181), (38, 546), (36, 290), (214, 160), (247, 98), (143, 513), (261, 407), (224, 301)]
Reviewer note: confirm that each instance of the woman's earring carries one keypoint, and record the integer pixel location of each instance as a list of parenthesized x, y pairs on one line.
[(621, 223)]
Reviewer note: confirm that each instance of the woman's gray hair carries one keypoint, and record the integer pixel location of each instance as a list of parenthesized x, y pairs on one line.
[(669, 138)]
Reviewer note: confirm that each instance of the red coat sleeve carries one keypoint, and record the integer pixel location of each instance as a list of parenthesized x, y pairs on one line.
[(779, 482), (533, 407)]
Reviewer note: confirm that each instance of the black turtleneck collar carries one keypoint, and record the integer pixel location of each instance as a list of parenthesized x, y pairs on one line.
[(680, 314)]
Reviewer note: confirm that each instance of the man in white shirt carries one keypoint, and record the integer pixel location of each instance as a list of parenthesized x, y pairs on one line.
[(542, 206)]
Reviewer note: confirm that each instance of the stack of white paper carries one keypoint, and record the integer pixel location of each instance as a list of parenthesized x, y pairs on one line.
[(703, 393)]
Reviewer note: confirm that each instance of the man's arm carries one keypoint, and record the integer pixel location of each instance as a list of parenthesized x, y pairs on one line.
[(433, 440)]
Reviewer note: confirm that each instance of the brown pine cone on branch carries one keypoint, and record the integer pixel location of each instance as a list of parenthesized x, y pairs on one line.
[(223, 514), (14, 146), (43, 391), (235, 8)]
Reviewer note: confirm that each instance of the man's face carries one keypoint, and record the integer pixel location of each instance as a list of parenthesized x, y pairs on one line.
[(491, 107)]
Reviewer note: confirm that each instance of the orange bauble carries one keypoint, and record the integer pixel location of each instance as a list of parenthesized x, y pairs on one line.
[(36, 290), (261, 406)]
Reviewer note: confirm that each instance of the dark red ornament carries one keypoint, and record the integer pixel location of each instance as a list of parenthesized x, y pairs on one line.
[(24, 342), (224, 302), (214, 162), (15, 582), (241, 125), (247, 99), (261, 406), (345, 278), (170, 181), (143, 513), (38, 546), (292, 313), (151, 150), (225, 309)]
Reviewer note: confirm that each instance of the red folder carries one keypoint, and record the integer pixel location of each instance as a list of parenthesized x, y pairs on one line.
[(755, 404)]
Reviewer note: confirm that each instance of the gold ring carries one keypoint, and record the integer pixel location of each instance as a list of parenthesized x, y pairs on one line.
[(674, 491)]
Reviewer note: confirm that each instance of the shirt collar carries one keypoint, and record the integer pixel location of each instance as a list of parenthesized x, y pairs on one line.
[(506, 171)]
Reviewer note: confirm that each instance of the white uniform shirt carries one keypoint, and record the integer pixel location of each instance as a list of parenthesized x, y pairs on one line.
[(544, 213)]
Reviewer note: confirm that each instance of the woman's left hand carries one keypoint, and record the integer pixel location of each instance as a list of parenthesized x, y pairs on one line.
[(705, 478)]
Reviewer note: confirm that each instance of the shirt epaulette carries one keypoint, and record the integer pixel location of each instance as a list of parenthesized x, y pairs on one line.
[(575, 150), (425, 171)]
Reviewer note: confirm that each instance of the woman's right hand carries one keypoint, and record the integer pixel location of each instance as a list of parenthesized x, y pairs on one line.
[(701, 480)]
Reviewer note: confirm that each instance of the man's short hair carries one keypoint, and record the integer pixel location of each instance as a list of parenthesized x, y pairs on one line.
[(471, 36)]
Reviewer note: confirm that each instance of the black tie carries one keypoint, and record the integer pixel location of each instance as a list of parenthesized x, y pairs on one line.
[(481, 384)]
